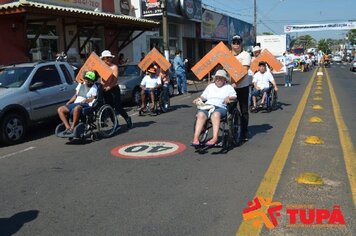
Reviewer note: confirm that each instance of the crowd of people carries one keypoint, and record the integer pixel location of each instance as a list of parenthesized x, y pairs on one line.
[(217, 94)]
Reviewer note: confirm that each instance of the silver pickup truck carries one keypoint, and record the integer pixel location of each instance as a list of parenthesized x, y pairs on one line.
[(31, 92)]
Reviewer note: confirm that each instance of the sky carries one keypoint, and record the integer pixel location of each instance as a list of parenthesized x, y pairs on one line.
[(273, 15)]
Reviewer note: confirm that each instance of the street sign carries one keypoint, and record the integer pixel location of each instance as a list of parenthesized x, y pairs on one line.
[(220, 54), (95, 63), (269, 58), (148, 149), (154, 56)]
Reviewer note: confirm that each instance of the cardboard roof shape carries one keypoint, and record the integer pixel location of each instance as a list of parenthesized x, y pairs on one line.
[(154, 56), (220, 54), (266, 56), (94, 63)]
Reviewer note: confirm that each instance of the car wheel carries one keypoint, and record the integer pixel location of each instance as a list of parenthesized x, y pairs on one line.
[(136, 96), (13, 129)]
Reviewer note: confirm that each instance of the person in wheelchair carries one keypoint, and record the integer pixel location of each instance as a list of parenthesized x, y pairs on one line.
[(83, 98), (218, 95), (149, 87), (261, 85)]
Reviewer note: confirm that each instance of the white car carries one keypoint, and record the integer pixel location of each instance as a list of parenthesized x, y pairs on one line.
[(337, 58)]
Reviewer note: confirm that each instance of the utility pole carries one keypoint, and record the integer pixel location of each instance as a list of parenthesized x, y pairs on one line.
[(254, 19), (165, 29)]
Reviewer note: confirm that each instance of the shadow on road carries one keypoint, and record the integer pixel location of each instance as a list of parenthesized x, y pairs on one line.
[(176, 107), (10, 226), (257, 129)]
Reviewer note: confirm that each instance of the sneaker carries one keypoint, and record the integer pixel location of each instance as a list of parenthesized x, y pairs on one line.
[(285, 85), (129, 123), (289, 85)]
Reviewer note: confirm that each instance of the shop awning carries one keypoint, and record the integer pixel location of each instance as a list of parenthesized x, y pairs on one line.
[(24, 6)]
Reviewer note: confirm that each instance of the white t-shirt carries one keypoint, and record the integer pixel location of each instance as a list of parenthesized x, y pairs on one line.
[(245, 59), (150, 82), (83, 92), (215, 95), (262, 80)]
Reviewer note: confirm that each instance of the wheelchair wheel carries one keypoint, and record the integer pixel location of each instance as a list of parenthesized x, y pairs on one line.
[(106, 121), (273, 100), (164, 103), (234, 125)]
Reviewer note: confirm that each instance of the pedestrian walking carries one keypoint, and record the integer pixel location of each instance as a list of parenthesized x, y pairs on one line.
[(243, 86), (180, 71), (112, 93)]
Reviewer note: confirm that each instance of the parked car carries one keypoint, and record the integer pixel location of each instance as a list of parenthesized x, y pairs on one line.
[(32, 92), (130, 77), (337, 58), (353, 64)]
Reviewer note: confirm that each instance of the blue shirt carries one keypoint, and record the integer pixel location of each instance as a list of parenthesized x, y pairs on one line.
[(178, 64)]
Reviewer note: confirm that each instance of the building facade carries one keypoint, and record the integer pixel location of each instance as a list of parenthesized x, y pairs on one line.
[(39, 30)]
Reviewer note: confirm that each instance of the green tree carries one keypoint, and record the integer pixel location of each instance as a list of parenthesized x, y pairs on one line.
[(352, 36), (305, 41), (267, 33), (323, 45)]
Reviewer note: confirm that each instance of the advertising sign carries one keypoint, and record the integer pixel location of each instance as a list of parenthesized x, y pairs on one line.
[(276, 44), (82, 4), (242, 28), (151, 7), (190, 9), (214, 26)]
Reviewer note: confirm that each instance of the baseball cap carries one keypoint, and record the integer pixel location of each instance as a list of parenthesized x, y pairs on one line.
[(106, 53), (256, 48), (90, 75), (236, 38)]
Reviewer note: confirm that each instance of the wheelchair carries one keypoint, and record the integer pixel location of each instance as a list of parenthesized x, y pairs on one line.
[(270, 103), (162, 102), (98, 121), (230, 127)]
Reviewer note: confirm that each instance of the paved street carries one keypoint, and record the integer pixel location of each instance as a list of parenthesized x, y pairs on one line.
[(51, 187)]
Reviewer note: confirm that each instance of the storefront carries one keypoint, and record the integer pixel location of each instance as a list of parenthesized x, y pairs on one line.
[(34, 30), (183, 16)]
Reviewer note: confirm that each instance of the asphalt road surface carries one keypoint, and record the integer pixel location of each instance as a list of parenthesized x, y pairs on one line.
[(49, 186)]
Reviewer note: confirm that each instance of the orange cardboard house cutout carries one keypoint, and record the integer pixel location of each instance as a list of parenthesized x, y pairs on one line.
[(266, 56), (220, 54), (95, 63), (154, 56)]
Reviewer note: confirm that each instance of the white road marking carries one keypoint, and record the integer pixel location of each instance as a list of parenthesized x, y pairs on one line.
[(15, 153)]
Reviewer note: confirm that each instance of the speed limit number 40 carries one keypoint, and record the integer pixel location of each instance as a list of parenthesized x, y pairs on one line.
[(148, 149)]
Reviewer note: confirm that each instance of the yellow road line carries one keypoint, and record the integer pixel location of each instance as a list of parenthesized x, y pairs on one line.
[(271, 178), (345, 140)]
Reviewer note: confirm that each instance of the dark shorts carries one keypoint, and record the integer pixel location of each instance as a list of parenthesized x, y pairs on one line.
[(258, 93), (85, 107), (220, 110)]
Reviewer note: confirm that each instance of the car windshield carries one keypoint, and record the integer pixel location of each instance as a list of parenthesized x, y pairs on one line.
[(129, 70), (14, 77)]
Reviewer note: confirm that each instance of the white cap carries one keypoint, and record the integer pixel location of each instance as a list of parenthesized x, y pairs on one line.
[(106, 53), (256, 48), (220, 73)]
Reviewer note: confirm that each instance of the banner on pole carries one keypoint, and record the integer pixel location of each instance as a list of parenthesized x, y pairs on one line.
[(320, 27)]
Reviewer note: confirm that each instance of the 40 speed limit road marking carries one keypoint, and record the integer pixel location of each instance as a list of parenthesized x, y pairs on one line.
[(148, 149)]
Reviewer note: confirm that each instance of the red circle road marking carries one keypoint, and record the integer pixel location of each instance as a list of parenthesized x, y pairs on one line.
[(148, 149)]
